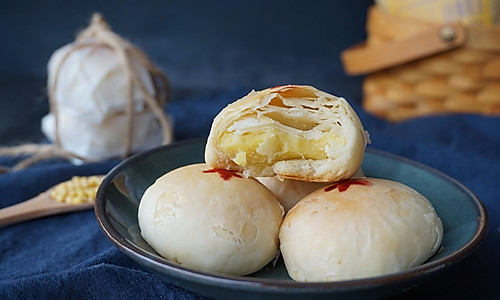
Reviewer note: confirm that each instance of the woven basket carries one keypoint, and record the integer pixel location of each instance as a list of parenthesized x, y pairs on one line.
[(417, 68)]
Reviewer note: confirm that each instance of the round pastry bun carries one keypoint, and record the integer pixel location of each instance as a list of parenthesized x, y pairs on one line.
[(290, 191), (292, 131), (211, 220), (358, 228)]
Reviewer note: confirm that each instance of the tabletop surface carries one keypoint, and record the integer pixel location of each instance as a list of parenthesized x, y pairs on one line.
[(213, 53)]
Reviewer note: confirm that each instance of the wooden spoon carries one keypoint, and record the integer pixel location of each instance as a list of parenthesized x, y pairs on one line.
[(40, 206)]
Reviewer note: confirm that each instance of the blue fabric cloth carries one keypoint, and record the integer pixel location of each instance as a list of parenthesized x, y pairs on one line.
[(68, 257)]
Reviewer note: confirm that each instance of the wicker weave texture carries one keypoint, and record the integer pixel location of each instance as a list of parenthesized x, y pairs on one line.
[(459, 81), (462, 80)]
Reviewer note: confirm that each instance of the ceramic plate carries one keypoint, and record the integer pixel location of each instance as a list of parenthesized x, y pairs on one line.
[(464, 219)]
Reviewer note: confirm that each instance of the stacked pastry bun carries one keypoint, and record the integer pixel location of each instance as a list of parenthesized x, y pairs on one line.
[(299, 148), (295, 132)]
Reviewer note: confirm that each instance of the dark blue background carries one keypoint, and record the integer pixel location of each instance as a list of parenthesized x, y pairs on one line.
[(213, 52), (201, 45)]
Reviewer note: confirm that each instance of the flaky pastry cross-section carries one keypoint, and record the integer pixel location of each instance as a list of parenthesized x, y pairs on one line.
[(292, 131)]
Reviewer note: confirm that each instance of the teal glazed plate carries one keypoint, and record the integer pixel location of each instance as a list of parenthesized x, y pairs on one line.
[(463, 215)]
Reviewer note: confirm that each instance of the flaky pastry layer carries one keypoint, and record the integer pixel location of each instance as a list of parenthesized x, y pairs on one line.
[(292, 131)]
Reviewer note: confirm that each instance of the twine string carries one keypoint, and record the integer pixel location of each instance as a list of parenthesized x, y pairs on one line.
[(99, 34)]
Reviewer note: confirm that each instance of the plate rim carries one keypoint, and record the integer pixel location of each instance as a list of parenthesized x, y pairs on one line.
[(246, 282)]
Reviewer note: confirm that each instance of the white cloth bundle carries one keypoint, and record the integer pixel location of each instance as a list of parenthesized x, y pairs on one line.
[(100, 86)]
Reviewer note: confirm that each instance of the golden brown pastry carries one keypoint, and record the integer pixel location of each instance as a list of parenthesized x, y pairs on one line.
[(359, 228), (296, 132)]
